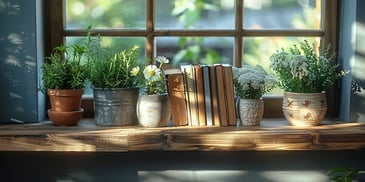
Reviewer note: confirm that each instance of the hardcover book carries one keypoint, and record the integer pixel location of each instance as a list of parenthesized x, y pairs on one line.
[(199, 82), (229, 91), (176, 93), (191, 97), (214, 96), (221, 92)]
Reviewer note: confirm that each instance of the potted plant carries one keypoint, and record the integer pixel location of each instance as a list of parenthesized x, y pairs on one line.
[(153, 106), (305, 76), (114, 80), (251, 83), (63, 79)]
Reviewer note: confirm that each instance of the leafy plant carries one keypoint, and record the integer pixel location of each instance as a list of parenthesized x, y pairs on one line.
[(342, 174), (300, 69), (154, 80), (62, 71), (252, 82), (114, 70)]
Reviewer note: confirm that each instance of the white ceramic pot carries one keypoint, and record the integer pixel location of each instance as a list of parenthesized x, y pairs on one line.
[(153, 110)]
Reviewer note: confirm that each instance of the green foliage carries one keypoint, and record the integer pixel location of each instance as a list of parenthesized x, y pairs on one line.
[(110, 69), (192, 49), (300, 70), (342, 174), (64, 73)]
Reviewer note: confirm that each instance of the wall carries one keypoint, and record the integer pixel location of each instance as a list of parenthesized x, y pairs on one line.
[(352, 57), (20, 52)]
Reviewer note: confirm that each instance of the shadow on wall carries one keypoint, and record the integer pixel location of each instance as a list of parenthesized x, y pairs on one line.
[(358, 72), (18, 79)]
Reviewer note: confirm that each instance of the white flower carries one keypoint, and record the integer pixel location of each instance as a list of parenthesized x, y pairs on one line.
[(299, 66), (162, 60), (135, 71), (151, 72), (252, 82)]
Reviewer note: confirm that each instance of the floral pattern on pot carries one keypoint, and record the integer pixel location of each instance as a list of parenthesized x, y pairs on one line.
[(304, 109)]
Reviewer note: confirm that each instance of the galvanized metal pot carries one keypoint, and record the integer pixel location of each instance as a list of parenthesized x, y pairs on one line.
[(115, 107)]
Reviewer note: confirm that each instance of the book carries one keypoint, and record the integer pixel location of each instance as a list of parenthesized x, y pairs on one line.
[(229, 93), (176, 93), (214, 96), (190, 97), (207, 95), (221, 94), (199, 82)]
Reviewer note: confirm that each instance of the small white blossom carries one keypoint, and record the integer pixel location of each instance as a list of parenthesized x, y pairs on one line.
[(135, 71), (162, 60), (252, 82)]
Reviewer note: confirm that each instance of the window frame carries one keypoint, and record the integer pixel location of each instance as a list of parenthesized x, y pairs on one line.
[(55, 32)]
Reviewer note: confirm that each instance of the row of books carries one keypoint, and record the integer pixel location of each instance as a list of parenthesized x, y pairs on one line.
[(201, 95)]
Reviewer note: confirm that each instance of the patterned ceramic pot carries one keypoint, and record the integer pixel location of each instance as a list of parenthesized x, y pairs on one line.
[(304, 109), (250, 111)]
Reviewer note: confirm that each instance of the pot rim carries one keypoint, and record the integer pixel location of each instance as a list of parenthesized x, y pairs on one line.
[(300, 93), (114, 89)]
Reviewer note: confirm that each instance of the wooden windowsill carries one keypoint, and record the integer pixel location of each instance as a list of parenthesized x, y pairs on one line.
[(270, 136)]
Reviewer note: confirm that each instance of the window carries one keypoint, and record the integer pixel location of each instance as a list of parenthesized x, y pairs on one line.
[(206, 31)]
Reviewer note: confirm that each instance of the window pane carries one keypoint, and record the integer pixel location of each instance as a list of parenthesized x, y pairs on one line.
[(205, 50), (257, 50), (113, 44), (194, 14), (105, 14), (283, 14)]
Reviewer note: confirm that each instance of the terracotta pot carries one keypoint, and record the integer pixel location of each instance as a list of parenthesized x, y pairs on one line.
[(65, 118), (65, 100), (153, 110), (250, 111), (304, 109)]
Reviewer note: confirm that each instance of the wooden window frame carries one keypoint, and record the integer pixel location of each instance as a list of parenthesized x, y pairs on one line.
[(56, 32)]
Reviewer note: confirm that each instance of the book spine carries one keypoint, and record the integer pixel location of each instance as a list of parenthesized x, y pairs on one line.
[(222, 105), (176, 93), (199, 82), (214, 96), (207, 95), (185, 78), (191, 93), (229, 92)]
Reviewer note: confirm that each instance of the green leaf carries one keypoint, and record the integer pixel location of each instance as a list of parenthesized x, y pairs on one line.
[(179, 56)]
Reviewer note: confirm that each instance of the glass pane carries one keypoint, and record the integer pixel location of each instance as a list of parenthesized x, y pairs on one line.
[(194, 14), (105, 14), (283, 14), (113, 44), (205, 50), (257, 50)]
